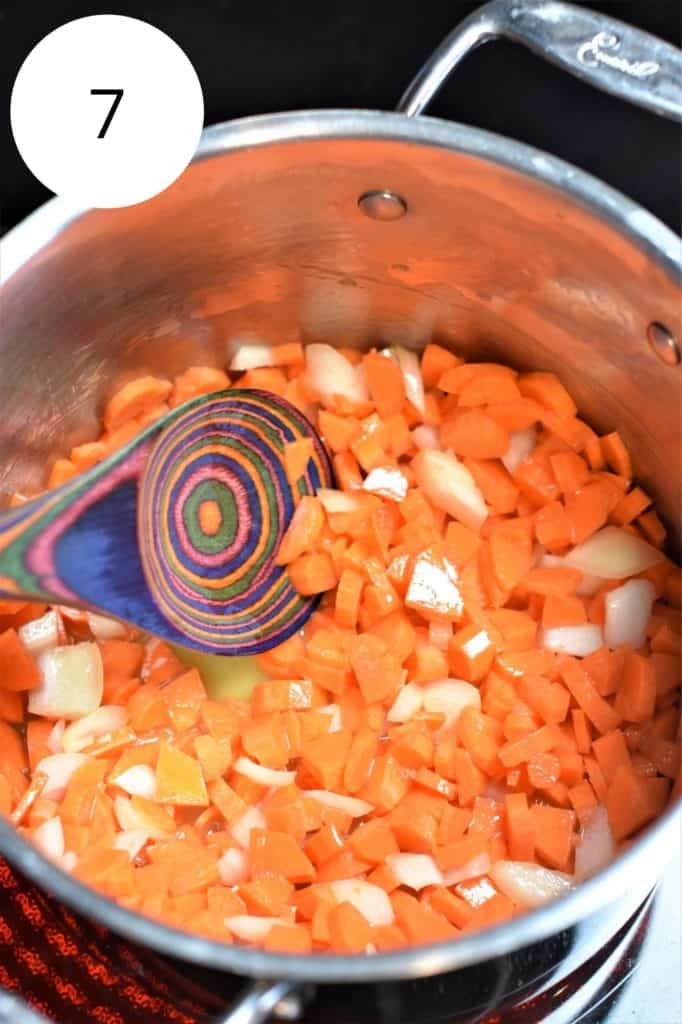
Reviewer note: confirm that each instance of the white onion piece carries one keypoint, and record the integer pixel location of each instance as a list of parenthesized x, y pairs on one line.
[(576, 640), (233, 866), (627, 613), (71, 682), (68, 861), (597, 847), (251, 357), (41, 634), (449, 697), (58, 768), (101, 722), (250, 928), (370, 900), (103, 628), (415, 870), (425, 436), (131, 842), (132, 819), (521, 444), (330, 373), (386, 482), (529, 885), (614, 554), (241, 829), (451, 487), (54, 740), (408, 362), (138, 780), (440, 634), (334, 712), (49, 838), (408, 702), (263, 776), (348, 804), (474, 868), (338, 501)]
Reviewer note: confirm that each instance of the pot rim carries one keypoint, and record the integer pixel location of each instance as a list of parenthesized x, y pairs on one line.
[(632, 869)]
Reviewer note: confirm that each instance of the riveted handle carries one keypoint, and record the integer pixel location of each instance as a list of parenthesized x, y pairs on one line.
[(267, 1000), (607, 53)]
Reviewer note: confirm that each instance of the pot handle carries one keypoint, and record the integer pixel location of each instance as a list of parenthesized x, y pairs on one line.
[(265, 1000), (603, 51)]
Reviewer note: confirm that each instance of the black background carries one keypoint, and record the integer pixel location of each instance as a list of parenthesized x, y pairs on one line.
[(256, 56)]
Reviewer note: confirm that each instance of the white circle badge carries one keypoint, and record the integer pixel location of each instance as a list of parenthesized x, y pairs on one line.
[(107, 111)]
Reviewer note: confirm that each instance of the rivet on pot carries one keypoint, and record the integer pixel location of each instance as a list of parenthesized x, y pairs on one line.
[(663, 343), (382, 205)]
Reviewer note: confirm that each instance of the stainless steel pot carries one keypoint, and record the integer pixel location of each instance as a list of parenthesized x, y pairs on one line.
[(362, 227)]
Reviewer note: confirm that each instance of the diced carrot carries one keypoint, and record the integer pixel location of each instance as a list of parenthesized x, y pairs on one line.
[(278, 853), (297, 455), (312, 573), (520, 750), (563, 611), (18, 670), (558, 581), (434, 362), (518, 629), (581, 729), (547, 390), (179, 779), (553, 835), (636, 696), (387, 784), (616, 454), (632, 801), (553, 526), (652, 528), (385, 382), (264, 740), (420, 923), (474, 434), (599, 712), (362, 751), (344, 865), (294, 939), (325, 758), (349, 931), (133, 398), (376, 668), (611, 751)]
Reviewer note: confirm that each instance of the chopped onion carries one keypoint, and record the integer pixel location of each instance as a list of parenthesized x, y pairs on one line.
[(415, 870), (41, 634), (58, 768), (348, 804), (521, 444), (408, 702), (576, 640), (597, 847), (334, 712), (241, 828), (68, 861), (132, 819), (263, 776), (627, 613), (449, 697), (233, 866), (425, 436), (440, 634), (71, 682), (330, 374), (386, 482), (451, 487), (138, 780), (370, 900), (338, 501), (614, 554), (103, 628), (408, 362), (250, 928), (49, 838), (529, 885), (101, 722), (474, 868), (54, 740), (131, 842), (251, 357)]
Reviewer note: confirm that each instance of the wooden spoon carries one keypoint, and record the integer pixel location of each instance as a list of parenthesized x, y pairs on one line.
[(178, 531)]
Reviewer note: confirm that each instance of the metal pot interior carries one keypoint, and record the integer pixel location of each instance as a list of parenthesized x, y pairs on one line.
[(503, 253)]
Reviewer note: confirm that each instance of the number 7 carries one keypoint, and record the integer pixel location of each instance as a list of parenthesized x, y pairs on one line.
[(118, 96)]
